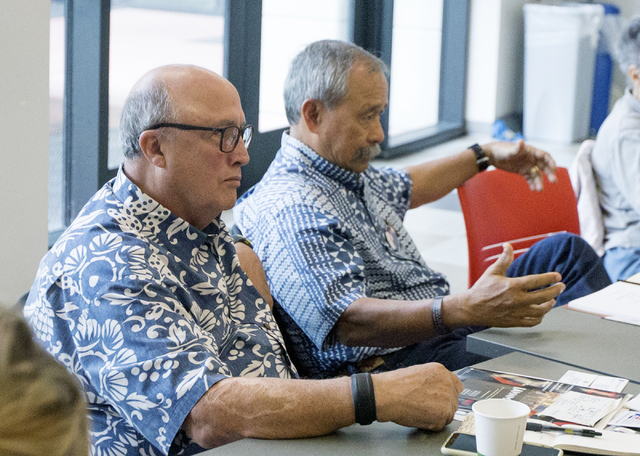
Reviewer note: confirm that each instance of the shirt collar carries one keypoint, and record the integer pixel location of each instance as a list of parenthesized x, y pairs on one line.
[(296, 150), (149, 218), (633, 101)]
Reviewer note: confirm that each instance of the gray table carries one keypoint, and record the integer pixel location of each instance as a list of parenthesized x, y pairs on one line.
[(567, 336), (388, 438)]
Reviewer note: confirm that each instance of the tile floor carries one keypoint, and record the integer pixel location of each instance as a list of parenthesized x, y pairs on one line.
[(438, 228)]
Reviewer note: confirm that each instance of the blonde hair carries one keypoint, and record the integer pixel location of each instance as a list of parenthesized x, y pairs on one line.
[(42, 410)]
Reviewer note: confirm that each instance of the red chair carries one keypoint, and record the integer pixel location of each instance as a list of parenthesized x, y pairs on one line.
[(499, 207)]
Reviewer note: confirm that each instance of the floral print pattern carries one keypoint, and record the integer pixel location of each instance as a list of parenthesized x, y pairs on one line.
[(148, 312)]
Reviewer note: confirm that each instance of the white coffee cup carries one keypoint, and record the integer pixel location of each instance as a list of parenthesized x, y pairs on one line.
[(500, 426)]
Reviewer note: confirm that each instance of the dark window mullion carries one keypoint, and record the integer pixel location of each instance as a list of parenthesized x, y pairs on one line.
[(242, 68), (373, 30), (86, 102), (453, 69)]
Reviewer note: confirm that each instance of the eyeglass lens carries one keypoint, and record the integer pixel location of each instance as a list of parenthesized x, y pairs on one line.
[(247, 135), (230, 137)]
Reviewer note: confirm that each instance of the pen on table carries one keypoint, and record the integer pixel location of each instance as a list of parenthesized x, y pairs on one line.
[(581, 432)]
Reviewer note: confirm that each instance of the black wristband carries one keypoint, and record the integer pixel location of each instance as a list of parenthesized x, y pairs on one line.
[(364, 398), (436, 316), (482, 161)]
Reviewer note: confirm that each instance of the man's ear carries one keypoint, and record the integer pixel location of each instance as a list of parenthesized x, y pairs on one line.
[(633, 73), (312, 111), (151, 148)]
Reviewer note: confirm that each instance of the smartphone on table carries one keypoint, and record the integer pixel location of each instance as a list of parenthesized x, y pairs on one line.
[(459, 444)]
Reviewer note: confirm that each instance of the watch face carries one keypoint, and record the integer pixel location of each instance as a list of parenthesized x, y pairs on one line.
[(483, 163)]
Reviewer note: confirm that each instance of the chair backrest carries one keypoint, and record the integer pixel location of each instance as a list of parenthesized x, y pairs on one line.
[(499, 207)]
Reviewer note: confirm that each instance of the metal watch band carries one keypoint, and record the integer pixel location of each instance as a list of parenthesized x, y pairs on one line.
[(436, 316), (481, 159)]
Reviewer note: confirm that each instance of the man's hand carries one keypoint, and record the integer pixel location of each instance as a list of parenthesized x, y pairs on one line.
[(423, 396), (523, 159), (497, 300)]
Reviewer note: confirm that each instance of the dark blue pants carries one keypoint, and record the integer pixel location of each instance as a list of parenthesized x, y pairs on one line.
[(582, 272)]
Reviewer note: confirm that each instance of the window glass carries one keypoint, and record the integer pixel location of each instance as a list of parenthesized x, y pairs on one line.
[(415, 66), (56, 114), (145, 34), (287, 27)]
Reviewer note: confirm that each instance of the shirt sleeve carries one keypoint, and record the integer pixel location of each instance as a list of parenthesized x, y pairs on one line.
[(313, 268), (144, 353), (626, 169)]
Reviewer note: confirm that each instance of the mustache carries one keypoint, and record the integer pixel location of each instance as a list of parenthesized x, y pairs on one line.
[(365, 154)]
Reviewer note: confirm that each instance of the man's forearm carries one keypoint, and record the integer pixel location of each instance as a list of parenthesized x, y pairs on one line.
[(371, 322), (434, 179), (269, 408), (495, 300), (423, 396)]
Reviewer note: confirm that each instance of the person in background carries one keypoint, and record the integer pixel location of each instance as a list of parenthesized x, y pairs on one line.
[(167, 326), (353, 292), (42, 410), (615, 160)]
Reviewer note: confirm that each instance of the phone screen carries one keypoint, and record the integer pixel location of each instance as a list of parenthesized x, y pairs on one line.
[(467, 443)]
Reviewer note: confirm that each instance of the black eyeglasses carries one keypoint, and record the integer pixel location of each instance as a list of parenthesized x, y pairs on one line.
[(229, 136)]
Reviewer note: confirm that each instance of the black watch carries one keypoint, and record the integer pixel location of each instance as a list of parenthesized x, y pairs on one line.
[(481, 159)]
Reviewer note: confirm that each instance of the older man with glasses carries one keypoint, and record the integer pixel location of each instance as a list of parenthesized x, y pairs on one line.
[(144, 300)]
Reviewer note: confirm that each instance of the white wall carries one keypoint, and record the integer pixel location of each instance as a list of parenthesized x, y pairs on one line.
[(482, 65), (24, 142), (495, 65)]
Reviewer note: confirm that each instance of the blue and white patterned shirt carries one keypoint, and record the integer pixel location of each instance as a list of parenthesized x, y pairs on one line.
[(326, 237), (149, 312)]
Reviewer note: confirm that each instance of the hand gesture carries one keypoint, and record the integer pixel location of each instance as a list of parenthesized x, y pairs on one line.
[(497, 300), (523, 159)]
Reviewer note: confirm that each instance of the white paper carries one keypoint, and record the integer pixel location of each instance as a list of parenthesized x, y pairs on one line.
[(626, 418), (621, 299), (578, 378), (599, 382), (581, 408), (604, 383), (633, 404), (629, 321)]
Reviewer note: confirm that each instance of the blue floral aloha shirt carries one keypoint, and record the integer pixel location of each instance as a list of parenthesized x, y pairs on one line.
[(327, 236), (149, 312)]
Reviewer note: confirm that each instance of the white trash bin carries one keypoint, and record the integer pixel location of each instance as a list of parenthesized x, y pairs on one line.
[(560, 46)]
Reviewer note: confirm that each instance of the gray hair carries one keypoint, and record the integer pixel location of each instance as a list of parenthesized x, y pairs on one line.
[(628, 49), (321, 71), (149, 105)]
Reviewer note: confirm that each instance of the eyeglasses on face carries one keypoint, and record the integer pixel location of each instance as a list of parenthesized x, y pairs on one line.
[(229, 136)]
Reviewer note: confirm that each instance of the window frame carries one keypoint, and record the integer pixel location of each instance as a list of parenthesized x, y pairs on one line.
[(86, 97)]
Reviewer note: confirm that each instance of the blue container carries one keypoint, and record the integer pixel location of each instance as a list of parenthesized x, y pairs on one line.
[(602, 77)]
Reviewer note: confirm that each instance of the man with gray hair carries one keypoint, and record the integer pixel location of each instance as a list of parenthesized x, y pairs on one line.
[(616, 165), (353, 293), (167, 327)]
